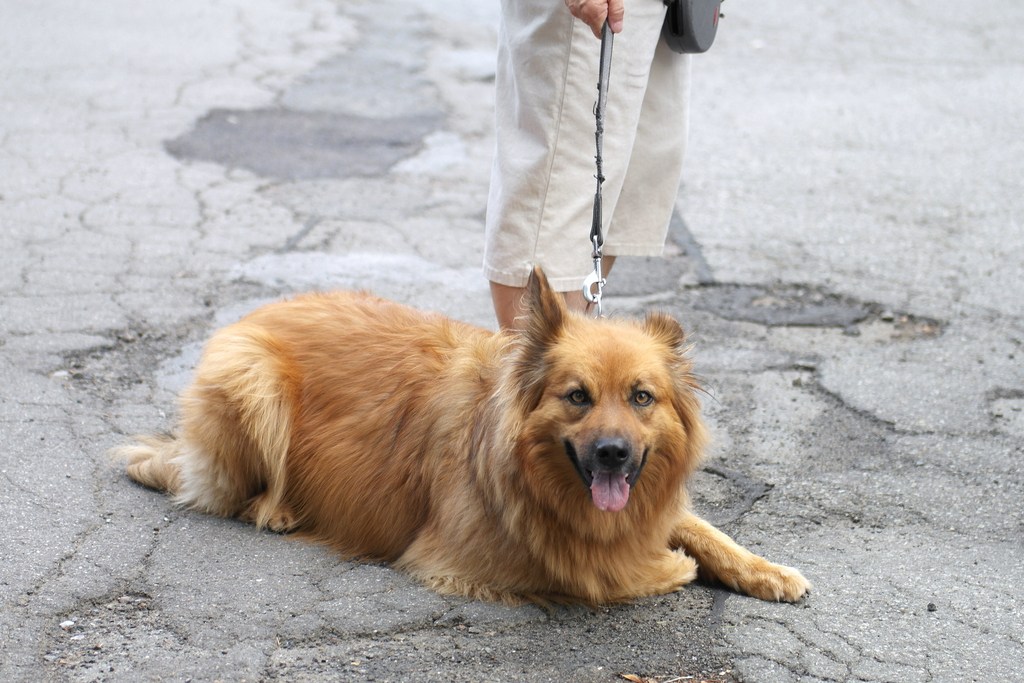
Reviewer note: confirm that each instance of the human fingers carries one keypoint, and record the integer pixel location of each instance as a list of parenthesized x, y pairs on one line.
[(616, 13), (593, 13)]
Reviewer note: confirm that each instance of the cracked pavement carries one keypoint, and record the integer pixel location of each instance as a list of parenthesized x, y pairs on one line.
[(847, 254)]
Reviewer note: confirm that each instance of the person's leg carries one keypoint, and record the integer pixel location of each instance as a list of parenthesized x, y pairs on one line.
[(508, 304), (508, 301), (642, 213), (541, 197)]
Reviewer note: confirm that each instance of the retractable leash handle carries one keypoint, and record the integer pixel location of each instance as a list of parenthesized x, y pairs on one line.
[(593, 286), (691, 25)]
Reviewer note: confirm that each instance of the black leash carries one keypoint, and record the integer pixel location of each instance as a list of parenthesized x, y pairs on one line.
[(593, 286)]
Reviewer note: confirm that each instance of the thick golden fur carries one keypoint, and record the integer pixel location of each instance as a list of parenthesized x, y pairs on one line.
[(459, 455)]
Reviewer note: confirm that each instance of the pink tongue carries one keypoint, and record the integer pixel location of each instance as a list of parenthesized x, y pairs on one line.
[(610, 491)]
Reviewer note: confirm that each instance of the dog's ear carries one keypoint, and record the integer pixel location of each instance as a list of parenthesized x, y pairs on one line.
[(666, 330), (545, 316), (545, 309)]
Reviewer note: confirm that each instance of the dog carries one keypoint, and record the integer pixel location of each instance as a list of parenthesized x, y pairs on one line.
[(547, 465)]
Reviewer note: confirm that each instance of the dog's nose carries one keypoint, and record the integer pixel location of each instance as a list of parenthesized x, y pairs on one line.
[(612, 452)]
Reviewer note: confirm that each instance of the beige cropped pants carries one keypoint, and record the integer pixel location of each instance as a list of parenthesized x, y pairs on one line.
[(541, 199)]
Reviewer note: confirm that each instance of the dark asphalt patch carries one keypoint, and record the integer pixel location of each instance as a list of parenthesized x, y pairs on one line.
[(783, 305), (795, 305), (295, 145)]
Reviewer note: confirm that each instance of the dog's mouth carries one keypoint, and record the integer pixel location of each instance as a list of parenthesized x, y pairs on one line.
[(609, 486), (609, 490)]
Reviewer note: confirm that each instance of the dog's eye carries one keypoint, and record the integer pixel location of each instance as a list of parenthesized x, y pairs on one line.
[(578, 397), (643, 398)]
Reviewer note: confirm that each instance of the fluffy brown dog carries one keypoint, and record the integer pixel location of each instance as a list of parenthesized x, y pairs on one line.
[(546, 465)]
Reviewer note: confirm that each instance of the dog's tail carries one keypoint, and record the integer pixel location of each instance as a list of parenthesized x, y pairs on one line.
[(150, 462)]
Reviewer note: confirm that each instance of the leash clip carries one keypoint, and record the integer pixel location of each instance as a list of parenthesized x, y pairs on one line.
[(595, 279)]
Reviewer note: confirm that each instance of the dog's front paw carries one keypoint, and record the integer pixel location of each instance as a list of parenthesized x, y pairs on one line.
[(776, 582)]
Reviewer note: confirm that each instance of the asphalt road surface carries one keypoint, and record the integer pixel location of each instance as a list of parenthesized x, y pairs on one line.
[(847, 254)]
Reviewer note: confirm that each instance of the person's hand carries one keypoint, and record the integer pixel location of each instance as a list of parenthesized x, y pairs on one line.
[(594, 12)]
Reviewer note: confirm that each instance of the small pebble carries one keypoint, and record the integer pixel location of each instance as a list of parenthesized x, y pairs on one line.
[(67, 624)]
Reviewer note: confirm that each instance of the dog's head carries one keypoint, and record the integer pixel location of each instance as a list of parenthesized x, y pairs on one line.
[(610, 418)]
